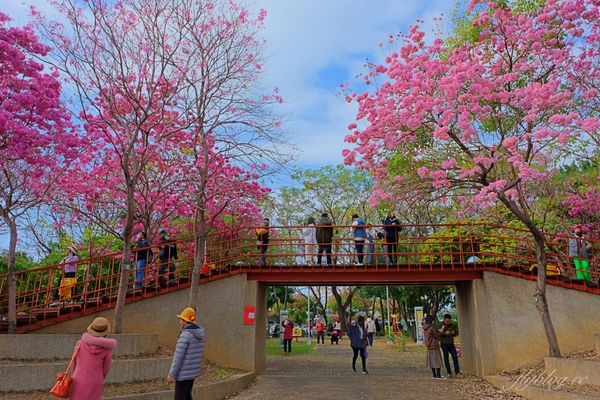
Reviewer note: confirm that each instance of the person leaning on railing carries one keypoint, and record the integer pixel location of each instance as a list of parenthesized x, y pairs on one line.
[(579, 252), (69, 274)]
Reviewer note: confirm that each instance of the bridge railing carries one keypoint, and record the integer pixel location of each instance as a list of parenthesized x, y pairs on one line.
[(444, 247), (97, 281)]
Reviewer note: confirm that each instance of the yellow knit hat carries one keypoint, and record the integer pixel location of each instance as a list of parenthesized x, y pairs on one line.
[(188, 315)]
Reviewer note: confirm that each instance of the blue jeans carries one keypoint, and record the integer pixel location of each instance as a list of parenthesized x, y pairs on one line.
[(449, 349), (140, 273)]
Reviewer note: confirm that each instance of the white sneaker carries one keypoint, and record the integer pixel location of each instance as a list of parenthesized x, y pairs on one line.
[(359, 264)]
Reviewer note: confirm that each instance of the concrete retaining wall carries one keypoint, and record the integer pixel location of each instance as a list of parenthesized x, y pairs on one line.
[(531, 392), (60, 346), (26, 377), (579, 371), (500, 328), (220, 312), (213, 391)]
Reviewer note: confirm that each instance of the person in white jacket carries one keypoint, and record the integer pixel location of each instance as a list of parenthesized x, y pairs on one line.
[(309, 234), (371, 329)]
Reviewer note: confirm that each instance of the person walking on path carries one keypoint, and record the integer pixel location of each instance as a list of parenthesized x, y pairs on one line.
[(309, 234), (448, 332), (433, 359), (370, 330), (262, 241), (320, 331), (92, 360), (359, 232), (143, 255), (189, 353), (324, 235), (288, 335), (358, 342), (579, 252), (392, 228), (69, 274)]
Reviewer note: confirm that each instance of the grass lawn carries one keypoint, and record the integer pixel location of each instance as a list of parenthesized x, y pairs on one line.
[(300, 347)]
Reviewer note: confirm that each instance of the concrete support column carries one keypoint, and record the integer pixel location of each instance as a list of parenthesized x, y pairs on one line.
[(500, 327)]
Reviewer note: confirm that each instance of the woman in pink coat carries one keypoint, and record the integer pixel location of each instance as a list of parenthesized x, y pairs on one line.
[(92, 363)]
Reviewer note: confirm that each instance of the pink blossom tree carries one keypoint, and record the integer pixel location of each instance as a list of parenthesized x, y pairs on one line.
[(37, 142), (156, 78), (487, 119)]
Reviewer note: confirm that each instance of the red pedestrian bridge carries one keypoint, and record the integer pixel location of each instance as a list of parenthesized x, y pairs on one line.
[(425, 255)]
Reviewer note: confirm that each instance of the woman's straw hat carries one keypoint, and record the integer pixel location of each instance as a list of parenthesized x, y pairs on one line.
[(99, 327)]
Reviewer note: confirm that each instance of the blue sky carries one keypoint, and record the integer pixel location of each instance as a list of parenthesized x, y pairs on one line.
[(312, 47)]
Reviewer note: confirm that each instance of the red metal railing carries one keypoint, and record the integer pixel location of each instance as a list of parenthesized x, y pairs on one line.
[(432, 249)]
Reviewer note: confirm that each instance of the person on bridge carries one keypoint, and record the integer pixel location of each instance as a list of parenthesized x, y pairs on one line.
[(359, 232), (358, 341), (262, 241), (143, 255), (370, 330), (579, 252), (309, 234), (91, 361), (189, 353), (320, 331), (69, 272), (325, 238), (392, 229), (171, 250), (288, 335), (448, 332), (433, 359)]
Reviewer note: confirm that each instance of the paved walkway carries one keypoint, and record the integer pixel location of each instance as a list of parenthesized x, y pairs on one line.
[(326, 374)]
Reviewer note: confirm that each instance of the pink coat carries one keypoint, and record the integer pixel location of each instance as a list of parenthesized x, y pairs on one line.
[(91, 366)]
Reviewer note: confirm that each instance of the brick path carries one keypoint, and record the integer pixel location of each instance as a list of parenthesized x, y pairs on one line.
[(326, 374)]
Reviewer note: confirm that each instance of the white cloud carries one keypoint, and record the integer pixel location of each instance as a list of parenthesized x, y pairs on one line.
[(307, 37)]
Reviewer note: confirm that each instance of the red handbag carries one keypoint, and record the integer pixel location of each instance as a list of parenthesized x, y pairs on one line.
[(62, 387)]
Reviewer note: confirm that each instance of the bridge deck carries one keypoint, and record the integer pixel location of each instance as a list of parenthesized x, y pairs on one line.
[(437, 258)]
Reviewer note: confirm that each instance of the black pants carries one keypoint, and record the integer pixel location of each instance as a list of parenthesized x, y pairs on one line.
[(392, 249), (327, 249), (287, 345), (263, 253), (363, 358), (449, 349), (183, 389), (370, 337), (321, 335), (360, 250)]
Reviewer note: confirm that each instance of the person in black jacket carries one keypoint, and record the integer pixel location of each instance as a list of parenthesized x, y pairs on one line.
[(392, 229), (324, 238)]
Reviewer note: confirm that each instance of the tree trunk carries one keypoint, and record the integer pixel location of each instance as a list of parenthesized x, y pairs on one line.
[(541, 302), (12, 279), (373, 307), (126, 266), (200, 230), (342, 306)]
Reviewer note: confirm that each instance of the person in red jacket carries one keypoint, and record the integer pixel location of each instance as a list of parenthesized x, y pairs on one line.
[(288, 335), (320, 332)]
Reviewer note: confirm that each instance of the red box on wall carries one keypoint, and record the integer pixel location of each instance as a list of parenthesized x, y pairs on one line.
[(249, 312)]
